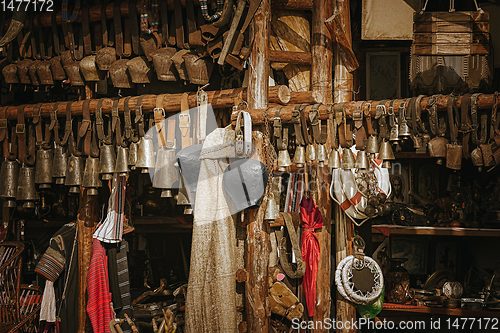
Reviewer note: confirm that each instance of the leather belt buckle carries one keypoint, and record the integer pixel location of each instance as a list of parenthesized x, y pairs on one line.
[(158, 109), (183, 115), (3, 123), (114, 112), (20, 128), (380, 111), (357, 115)]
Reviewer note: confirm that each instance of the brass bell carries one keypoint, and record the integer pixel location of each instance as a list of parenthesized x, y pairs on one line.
[(9, 174), (43, 168), (91, 175), (310, 153), (321, 154), (372, 145), (477, 158), (437, 148), (334, 159), (299, 157), (122, 161), (284, 160), (361, 160), (386, 164), (394, 135), (75, 173), (145, 155), (59, 164), (107, 161), (272, 210), (26, 190), (347, 161), (404, 130), (166, 174), (385, 151), (132, 155)]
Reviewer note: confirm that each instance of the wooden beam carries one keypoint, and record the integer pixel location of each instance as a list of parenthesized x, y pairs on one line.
[(87, 218), (322, 52), (290, 57), (346, 53), (292, 4)]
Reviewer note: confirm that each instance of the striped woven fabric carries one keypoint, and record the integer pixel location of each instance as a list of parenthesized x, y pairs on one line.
[(206, 15), (111, 230), (64, 11), (51, 264)]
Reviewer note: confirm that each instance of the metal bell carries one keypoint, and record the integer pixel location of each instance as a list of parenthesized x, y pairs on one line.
[(334, 159), (91, 175), (26, 190), (394, 135), (166, 174), (145, 155), (59, 164), (404, 130), (107, 161), (385, 152), (310, 153), (9, 174), (347, 161), (372, 145), (477, 158), (437, 148), (75, 173), (132, 155), (183, 198), (386, 164), (299, 157), (321, 154), (272, 210), (361, 160), (122, 161), (43, 168), (283, 160)]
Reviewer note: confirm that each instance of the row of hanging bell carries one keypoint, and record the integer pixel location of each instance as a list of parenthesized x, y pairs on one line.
[(18, 184)]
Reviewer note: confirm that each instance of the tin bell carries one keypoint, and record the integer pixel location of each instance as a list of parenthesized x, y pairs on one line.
[(26, 190), (347, 161), (74, 173), (183, 198), (59, 164), (145, 155), (334, 159), (310, 153), (372, 145), (386, 154), (361, 160), (166, 174), (43, 168), (437, 148), (299, 157), (284, 160), (107, 161), (321, 154), (404, 130), (9, 174), (477, 158), (122, 161), (454, 156), (91, 179), (132, 155), (272, 210), (394, 135)]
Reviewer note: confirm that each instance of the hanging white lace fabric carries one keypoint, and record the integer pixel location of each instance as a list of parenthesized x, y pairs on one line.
[(48, 306), (111, 230)]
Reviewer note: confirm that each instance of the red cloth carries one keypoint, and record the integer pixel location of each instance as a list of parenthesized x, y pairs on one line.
[(311, 219), (98, 306)]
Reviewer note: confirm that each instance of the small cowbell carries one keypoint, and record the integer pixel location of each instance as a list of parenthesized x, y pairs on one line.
[(145, 155), (284, 160), (361, 160), (26, 190), (91, 175), (385, 152), (59, 164), (74, 173), (43, 168), (272, 210), (347, 161), (477, 158), (166, 174), (132, 154), (321, 154), (372, 145), (404, 130), (9, 174), (394, 135), (310, 153), (107, 161), (122, 161), (334, 159), (299, 157), (437, 148), (454, 156)]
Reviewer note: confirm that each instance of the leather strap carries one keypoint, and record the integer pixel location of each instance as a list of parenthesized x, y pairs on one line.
[(305, 129), (179, 28), (402, 115), (104, 26), (127, 118), (116, 126), (68, 129), (127, 38), (294, 239), (85, 129), (139, 116), (21, 134), (134, 26), (393, 123), (340, 120), (278, 129), (47, 143), (357, 117), (117, 19), (412, 106), (332, 125), (4, 132), (418, 114), (466, 125), (94, 146), (165, 33), (319, 133), (55, 34), (34, 51), (191, 23), (382, 122), (41, 38), (37, 121), (159, 116), (69, 38), (30, 156), (99, 121), (299, 139), (451, 121), (54, 123), (72, 145), (367, 106), (13, 151), (433, 117), (185, 121), (202, 101), (87, 40)]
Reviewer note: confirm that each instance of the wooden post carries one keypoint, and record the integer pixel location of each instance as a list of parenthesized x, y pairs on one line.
[(344, 230), (87, 218), (258, 244), (322, 52)]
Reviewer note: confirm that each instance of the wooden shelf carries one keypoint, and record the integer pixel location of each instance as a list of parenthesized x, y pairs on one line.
[(160, 224), (440, 311), (434, 231)]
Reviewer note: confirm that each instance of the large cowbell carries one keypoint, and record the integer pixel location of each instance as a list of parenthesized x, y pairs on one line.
[(244, 182), (9, 174), (190, 163), (166, 175)]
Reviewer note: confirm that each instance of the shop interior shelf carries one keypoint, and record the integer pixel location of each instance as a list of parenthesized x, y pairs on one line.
[(387, 229)]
